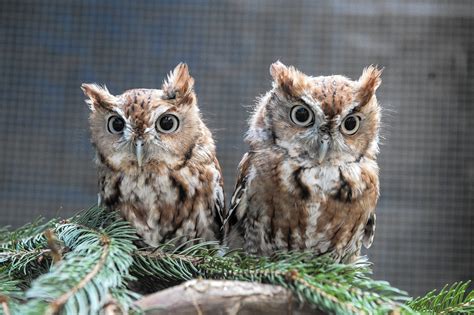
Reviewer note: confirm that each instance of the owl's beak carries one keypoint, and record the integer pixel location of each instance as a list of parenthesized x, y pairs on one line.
[(324, 143), (139, 151)]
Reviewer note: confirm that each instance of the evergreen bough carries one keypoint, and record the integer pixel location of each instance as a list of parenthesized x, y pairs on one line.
[(86, 263)]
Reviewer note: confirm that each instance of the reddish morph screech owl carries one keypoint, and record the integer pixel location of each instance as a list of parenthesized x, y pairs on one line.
[(308, 182), (156, 160), (310, 178)]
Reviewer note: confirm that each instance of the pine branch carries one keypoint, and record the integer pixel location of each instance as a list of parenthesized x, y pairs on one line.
[(87, 262), (97, 247), (26, 231), (9, 287), (10, 294), (59, 302), (97, 263), (334, 288), (450, 300), (25, 259)]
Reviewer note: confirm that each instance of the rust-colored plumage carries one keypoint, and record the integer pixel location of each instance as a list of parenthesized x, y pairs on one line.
[(310, 178), (156, 160)]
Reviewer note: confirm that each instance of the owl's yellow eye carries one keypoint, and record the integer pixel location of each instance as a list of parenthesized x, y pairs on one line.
[(115, 124), (350, 124), (301, 115), (167, 123)]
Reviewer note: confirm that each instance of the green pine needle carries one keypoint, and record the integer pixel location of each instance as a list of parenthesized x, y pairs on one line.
[(33, 228), (10, 287), (450, 300), (334, 288), (98, 249), (85, 263), (81, 282)]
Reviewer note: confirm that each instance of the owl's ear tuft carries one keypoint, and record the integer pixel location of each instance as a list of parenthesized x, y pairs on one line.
[(99, 97), (288, 79), (369, 81), (278, 70), (179, 86)]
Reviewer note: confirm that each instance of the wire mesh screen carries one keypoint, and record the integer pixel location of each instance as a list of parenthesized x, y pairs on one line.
[(425, 224)]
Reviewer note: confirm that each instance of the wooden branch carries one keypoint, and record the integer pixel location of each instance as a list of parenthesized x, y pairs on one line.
[(4, 302), (223, 297)]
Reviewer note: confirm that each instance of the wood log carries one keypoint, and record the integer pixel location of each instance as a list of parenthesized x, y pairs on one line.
[(224, 297)]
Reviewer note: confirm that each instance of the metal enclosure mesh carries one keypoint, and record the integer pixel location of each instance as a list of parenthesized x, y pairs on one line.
[(425, 216)]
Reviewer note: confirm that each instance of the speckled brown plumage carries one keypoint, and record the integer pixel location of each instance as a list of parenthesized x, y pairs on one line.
[(168, 185), (313, 186)]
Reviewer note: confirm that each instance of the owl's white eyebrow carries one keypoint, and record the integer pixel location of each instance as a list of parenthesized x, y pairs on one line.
[(120, 112), (160, 112), (157, 114), (309, 101), (350, 110)]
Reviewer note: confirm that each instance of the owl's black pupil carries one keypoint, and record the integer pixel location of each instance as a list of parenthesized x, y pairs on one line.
[(350, 123), (166, 123), (118, 124), (302, 114)]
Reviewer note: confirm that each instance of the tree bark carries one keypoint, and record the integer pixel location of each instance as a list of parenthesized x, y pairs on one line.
[(223, 297)]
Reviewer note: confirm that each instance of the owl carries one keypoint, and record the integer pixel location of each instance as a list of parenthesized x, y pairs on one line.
[(310, 178), (156, 160)]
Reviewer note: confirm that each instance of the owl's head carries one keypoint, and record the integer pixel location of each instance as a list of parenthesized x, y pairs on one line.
[(324, 118), (143, 126)]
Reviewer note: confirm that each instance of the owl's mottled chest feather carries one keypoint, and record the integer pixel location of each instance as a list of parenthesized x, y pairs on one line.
[(291, 206), (165, 202)]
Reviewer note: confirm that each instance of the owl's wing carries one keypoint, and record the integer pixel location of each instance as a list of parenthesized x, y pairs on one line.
[(219, 208), (235, 211), (369, 231)]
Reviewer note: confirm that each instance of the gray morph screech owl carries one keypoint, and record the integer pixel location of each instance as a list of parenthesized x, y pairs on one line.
[(310, 179), (156, 160)]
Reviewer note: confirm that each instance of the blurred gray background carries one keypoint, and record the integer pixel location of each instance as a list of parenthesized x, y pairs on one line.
[(425, 216)]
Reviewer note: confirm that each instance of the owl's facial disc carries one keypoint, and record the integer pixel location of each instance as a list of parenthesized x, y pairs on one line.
[(313, 128), (148, 139)]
